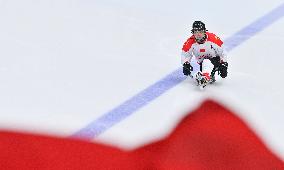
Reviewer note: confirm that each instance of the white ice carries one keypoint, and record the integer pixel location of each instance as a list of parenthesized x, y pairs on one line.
[(65, 63)]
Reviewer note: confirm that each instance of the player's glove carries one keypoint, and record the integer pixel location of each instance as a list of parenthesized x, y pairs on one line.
[(187, 68), (223, 69)]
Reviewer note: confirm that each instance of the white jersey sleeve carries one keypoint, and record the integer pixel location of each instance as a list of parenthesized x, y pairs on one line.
[(187, 53), (218, 46), (220, 51)]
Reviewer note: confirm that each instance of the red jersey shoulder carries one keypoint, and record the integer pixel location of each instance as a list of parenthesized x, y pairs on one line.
[(214, 38), (187, 45)]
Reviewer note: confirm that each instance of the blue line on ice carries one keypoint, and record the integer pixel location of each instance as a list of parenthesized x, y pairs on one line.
[(141, 99)]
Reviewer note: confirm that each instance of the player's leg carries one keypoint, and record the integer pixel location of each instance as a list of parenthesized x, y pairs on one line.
[(207, 68), (203, 76)]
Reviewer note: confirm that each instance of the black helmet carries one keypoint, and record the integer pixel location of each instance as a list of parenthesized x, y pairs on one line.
[(198, 26)]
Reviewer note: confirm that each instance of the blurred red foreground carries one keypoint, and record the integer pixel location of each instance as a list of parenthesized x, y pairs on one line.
[(211, 137)]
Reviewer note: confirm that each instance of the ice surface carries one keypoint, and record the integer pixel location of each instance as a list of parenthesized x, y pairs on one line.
[(65, 63)]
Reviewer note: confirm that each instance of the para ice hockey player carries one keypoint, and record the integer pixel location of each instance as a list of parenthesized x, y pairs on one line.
[(208, 50)]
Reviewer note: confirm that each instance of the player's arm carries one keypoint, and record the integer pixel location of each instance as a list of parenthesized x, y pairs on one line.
[(221, 51), (186, 56)]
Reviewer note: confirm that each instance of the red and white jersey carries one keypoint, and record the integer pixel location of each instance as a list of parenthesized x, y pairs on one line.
[(212, 47)]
